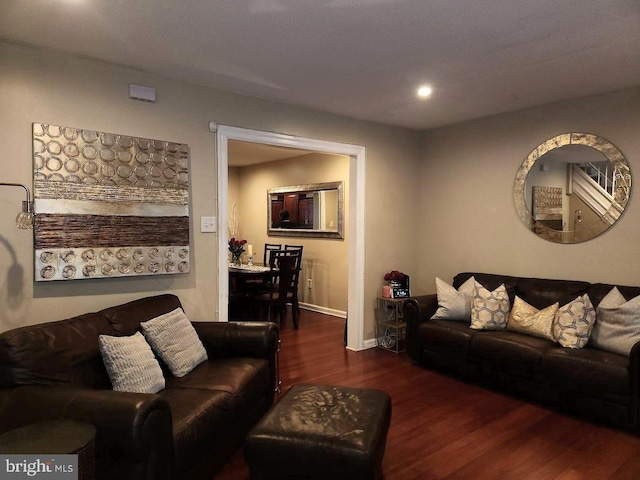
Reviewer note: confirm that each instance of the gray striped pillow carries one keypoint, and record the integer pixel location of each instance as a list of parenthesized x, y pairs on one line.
[(130, 363), (175, 340)]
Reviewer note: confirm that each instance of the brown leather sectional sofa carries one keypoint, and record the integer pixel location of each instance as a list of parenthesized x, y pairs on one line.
[(591, 382), (186, 431)]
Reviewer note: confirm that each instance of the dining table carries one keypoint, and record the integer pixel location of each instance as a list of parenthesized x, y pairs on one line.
[(245, 282), (246, 272), (248, 269)]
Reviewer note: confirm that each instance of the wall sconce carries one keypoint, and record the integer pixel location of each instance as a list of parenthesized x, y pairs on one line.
[(24, 219)]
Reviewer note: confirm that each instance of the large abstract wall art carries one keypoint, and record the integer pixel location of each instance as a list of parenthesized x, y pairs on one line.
[(108, 205)]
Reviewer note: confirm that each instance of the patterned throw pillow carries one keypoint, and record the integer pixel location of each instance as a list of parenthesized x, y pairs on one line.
[(175, 340), (489, 310), (617, 327), (574, 322), (454, 304), (527, 319), (130, 363)]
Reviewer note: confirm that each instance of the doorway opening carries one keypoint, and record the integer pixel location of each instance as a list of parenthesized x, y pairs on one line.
[(356, 154)]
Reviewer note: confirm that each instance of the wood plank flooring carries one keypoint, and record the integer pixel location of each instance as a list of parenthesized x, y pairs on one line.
[(443, 428)]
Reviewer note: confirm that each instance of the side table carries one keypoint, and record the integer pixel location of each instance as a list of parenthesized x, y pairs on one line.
[(54, 437), (391, 328)]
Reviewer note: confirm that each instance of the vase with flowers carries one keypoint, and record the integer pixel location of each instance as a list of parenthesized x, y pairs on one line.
[(236, 247), (396, 285)]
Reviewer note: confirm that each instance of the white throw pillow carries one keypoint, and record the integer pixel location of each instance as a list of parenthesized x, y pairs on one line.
[(527, 319), (617, 327), (490, 310), (130, 363), (574, 322), (454, 304), (175, 340)]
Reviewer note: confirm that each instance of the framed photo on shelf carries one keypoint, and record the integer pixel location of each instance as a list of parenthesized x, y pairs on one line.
[(400, 289)]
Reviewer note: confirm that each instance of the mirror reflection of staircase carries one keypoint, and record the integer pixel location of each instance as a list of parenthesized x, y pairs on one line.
[(595, 185)]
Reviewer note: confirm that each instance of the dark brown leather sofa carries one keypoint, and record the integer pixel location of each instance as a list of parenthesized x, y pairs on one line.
[(589, 382), (186, 431)]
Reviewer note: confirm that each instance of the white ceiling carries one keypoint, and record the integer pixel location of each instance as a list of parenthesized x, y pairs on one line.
[(360, 58)]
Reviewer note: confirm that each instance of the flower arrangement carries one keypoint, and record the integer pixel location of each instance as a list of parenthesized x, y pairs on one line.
[(236, 247), (396, 285), (395, 276)]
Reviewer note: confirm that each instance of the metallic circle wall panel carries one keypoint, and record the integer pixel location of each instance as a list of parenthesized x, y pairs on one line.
[(97, 189), (87, 262), (100, 148)]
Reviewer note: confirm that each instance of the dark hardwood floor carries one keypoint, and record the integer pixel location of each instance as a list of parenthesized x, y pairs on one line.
[(443, 428)]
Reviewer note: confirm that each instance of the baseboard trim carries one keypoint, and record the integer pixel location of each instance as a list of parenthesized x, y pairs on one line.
[(325, 310), (371, 343)]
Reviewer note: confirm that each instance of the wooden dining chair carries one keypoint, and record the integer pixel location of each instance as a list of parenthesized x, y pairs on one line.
[(268, 248), (271, 262), (258, 285), (276, 300), (296, 248)]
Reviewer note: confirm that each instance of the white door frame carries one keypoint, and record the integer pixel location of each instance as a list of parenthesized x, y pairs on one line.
[(356, 153)]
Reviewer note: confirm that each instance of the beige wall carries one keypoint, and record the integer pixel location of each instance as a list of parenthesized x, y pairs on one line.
[(43, 86), (436, 203), (234, 190), (325, 261), (467, 218)]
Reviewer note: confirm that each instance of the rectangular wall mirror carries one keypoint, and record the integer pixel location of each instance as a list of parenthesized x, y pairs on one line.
[(313, 210)]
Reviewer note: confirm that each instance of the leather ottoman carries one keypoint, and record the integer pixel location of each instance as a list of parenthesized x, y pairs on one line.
[(321, 432)]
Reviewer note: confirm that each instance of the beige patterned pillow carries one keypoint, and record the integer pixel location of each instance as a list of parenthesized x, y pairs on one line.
[(454, 304), (489, 310), (130, 363), (527, 319), (175, 340), (574, 322), (617, 327)]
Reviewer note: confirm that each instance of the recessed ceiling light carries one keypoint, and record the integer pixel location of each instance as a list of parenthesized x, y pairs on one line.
[(424, 91)]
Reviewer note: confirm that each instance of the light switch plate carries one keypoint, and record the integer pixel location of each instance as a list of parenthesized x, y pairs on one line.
[(208, 224)]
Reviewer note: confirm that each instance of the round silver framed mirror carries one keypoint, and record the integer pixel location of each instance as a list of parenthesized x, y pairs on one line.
[(572, 187)]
